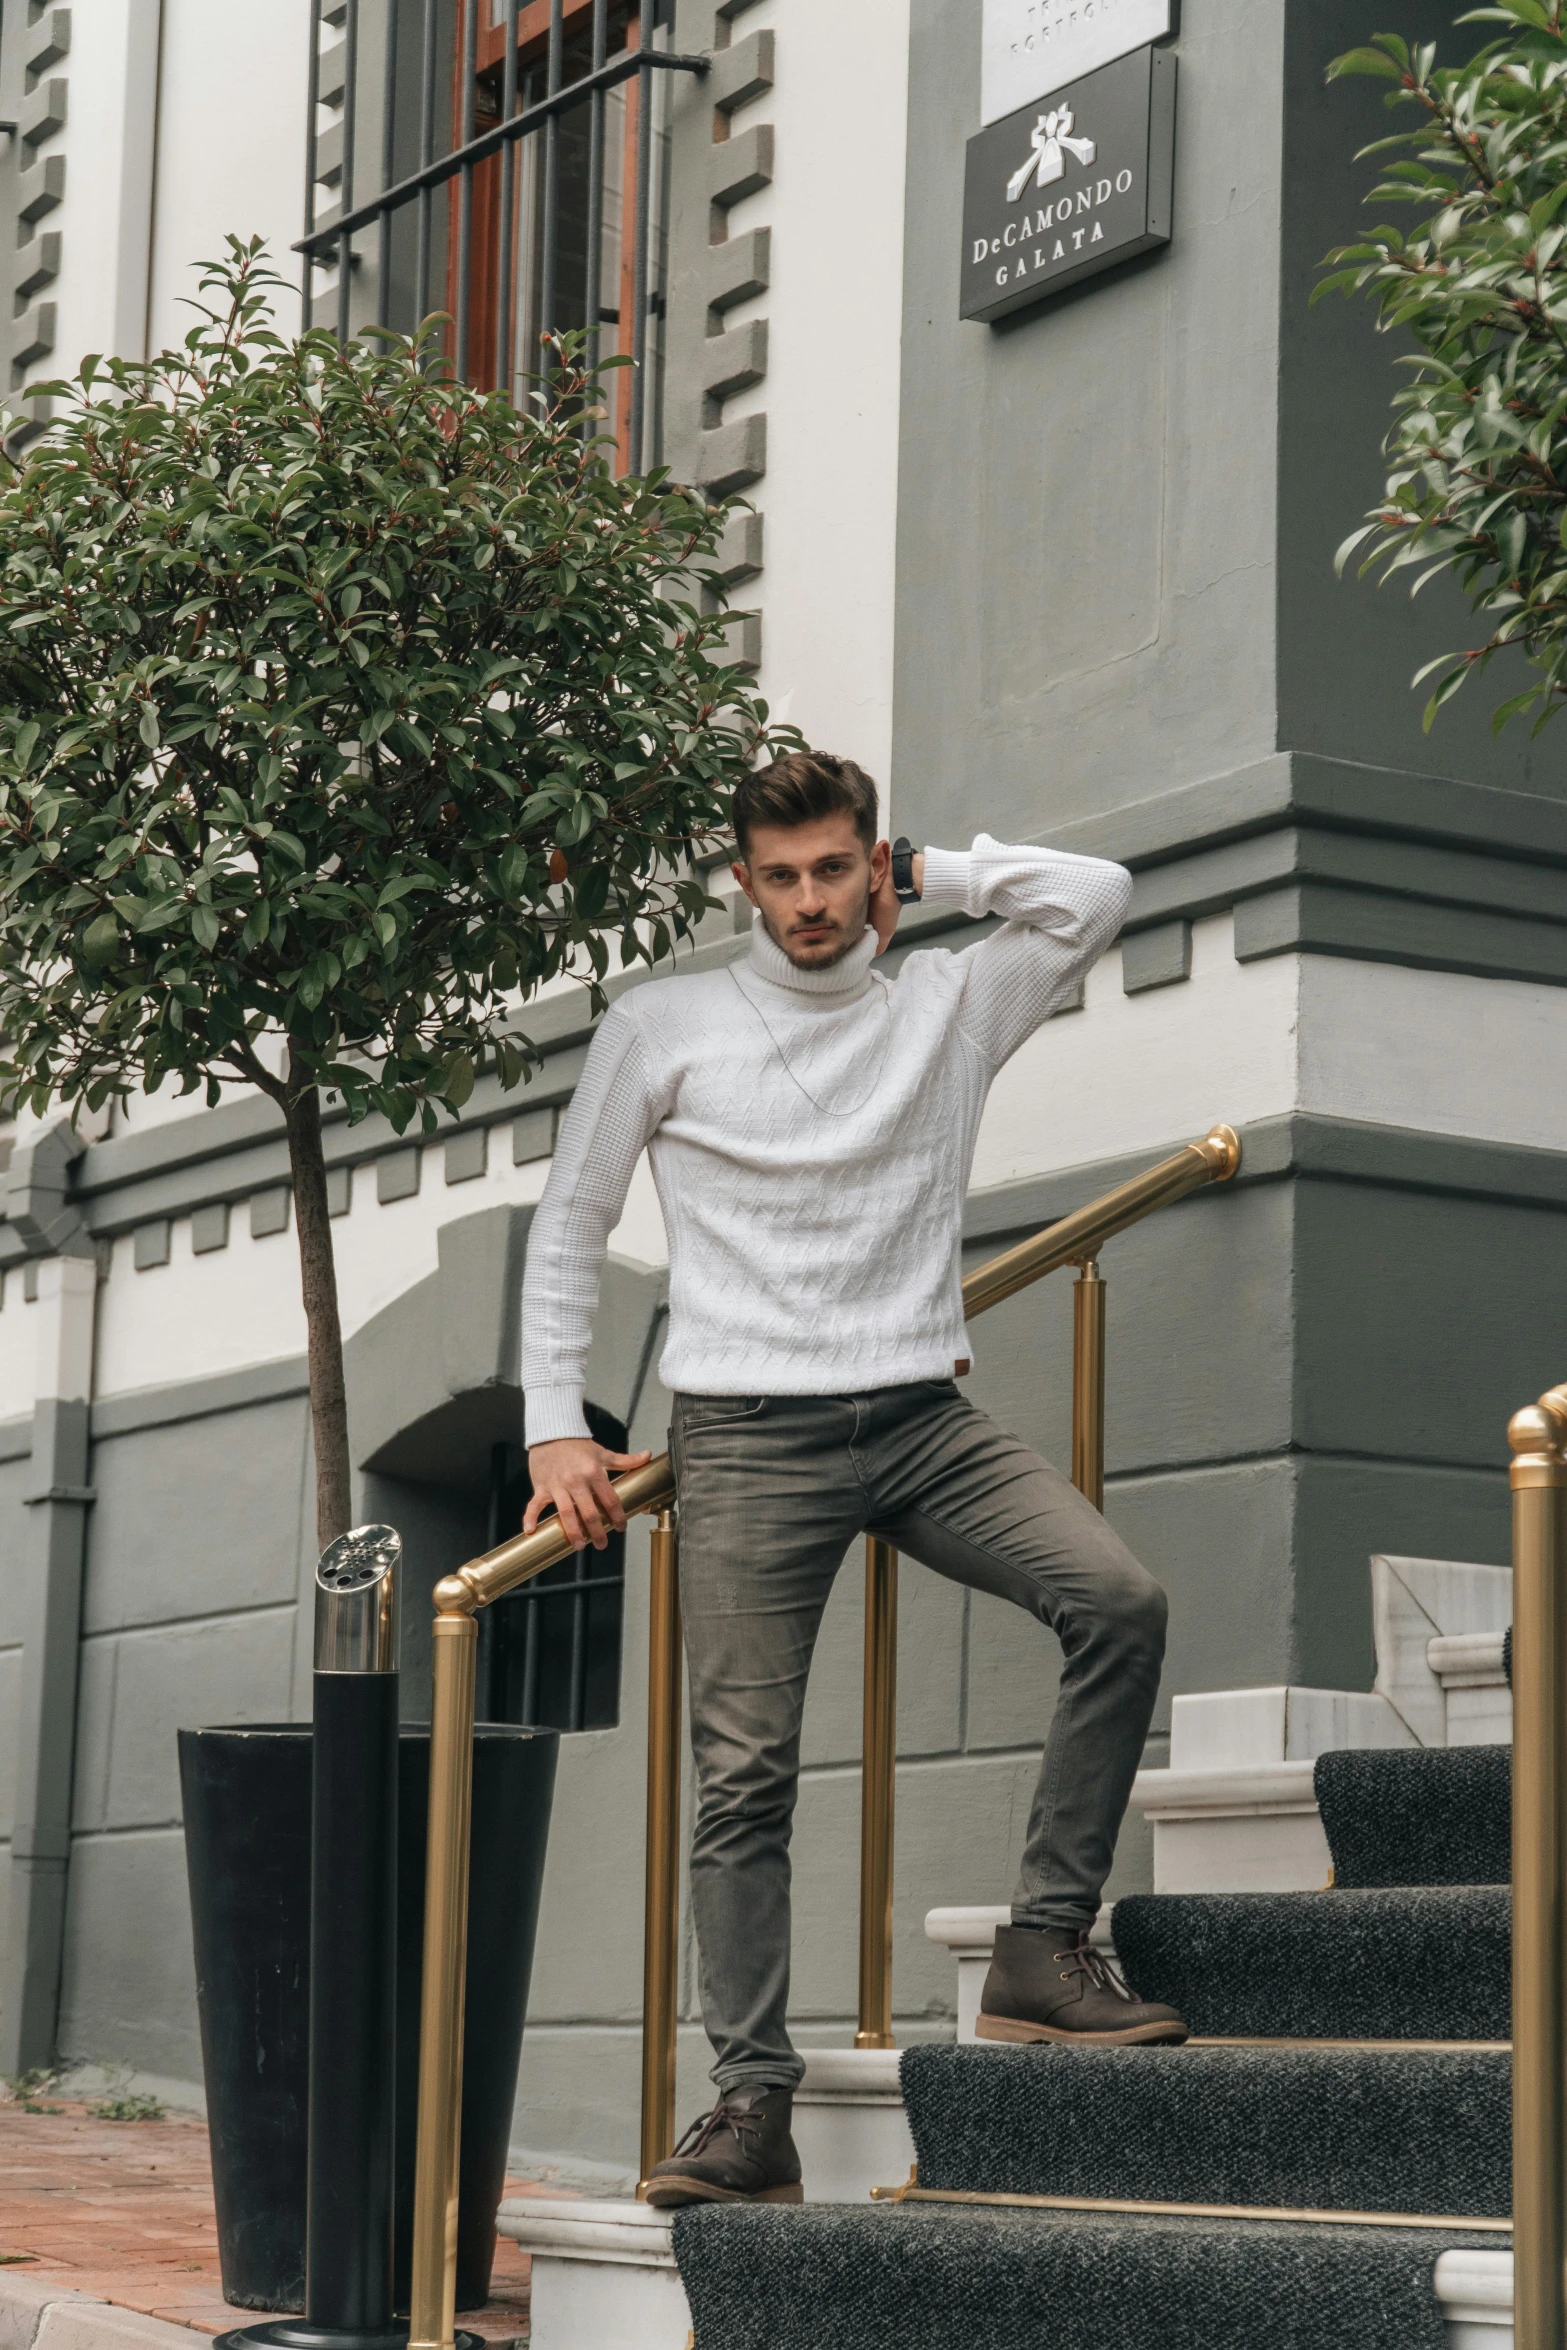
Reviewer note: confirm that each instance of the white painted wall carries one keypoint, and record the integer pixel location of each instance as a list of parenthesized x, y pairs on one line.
[(238, 1305), (831, 389), (1131, 1073), (230, 147), (18, 1349)]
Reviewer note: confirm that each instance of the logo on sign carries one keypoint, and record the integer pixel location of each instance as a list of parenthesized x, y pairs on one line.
[(1046, 162), (1053, 138)]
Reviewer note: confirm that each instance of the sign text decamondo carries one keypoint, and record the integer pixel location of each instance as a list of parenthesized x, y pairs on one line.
[(1032, 46), (1069, 185)]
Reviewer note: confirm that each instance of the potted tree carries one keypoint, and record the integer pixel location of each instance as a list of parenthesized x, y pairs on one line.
[(341, 707)]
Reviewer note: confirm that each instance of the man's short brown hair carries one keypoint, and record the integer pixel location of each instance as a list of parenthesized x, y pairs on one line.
[(800, 789)]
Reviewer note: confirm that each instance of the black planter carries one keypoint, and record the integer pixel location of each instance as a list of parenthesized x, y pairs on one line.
[(247, 1846)]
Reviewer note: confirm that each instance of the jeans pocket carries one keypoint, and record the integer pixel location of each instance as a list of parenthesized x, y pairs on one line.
[(719, 1411)]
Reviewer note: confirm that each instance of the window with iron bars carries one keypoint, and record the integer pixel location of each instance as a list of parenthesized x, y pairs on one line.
[(502, 161), (549, 1654)]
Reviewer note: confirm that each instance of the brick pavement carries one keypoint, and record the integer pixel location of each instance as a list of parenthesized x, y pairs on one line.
[(123, 2210)]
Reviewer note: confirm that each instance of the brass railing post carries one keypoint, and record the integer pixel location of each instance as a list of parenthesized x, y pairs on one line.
[(661, 1914), (1088, 1383), (433, 2302), (878, 1775), (1539, 1485)]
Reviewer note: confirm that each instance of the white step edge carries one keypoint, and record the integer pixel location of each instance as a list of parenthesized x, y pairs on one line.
[(1475, 2291), (1256, 1789), (1468, 1660), (586, 2228), (604, 2274), (971, 1933), (850, 2076)]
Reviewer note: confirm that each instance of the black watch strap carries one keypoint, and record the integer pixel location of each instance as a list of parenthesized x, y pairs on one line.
[(903, 888)]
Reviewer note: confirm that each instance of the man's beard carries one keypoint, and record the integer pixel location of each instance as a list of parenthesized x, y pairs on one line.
[(815, 958)]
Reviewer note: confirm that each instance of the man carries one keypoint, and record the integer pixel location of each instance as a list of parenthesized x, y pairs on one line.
[(811, 1126)]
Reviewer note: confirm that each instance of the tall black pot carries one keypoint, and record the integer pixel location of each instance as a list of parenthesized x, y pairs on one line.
[(247, 1846)]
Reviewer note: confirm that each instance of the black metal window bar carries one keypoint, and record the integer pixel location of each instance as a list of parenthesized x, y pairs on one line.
[(516, 183), (549, 1655)]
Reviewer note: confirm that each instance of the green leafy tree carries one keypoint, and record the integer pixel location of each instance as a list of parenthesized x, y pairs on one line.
[(1477, 453), (341, 707)]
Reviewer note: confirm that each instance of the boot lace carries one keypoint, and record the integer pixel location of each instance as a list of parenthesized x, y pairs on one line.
[(1081, 1958), (737, 2119)]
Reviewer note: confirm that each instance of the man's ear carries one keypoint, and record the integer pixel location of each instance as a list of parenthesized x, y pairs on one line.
[(881, 863), (742, 874)]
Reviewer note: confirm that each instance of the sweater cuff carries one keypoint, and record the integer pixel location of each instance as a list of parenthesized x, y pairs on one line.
[(947, 878), (554, 1412)]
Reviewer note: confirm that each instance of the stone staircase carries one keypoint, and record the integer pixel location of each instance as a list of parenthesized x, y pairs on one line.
[(1332, 1915), (1351, 2058)]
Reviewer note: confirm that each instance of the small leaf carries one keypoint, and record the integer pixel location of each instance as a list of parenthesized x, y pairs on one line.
[(101, 939), (1366, 61)]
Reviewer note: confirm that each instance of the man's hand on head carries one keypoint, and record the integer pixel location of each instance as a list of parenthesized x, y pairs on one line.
[(572, 1476), (885, 906)]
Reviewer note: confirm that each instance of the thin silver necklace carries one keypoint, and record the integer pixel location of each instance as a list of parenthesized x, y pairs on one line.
[(826, 1109)]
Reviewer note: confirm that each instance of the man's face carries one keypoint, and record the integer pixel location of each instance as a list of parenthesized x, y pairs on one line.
[(812, 886)]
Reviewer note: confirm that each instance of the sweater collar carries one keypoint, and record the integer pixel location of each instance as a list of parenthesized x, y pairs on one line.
[(840, 983)]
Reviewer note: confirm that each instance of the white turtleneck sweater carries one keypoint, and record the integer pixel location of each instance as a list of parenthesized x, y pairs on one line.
[(811, 1134)]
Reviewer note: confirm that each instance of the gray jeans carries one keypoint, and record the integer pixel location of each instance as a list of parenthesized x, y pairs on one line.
[(773, 1490)]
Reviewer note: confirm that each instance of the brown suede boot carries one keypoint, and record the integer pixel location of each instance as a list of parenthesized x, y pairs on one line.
[(1049, 1983), (741, 2152)]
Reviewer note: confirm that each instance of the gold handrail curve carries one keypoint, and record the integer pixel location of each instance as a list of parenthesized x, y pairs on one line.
[(1074, 1239), (500, 1570)]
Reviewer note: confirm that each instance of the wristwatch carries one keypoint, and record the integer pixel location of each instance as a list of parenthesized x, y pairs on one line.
[(903, 888)]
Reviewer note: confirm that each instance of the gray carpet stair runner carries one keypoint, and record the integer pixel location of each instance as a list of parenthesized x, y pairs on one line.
[(1401, 1948), (924, 2277), (1421, 1963), (1415, 1815), (1335, 2129)]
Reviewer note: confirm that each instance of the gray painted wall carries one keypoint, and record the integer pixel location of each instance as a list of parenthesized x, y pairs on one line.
[(1118, 510), (14, 1477), (1117, 620), (198, 1546)]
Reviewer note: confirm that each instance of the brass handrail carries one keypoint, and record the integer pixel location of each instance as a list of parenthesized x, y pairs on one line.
[(1538, 1435), (1074, 1239)]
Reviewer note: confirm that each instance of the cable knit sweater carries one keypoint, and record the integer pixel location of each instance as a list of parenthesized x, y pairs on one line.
[(811, 1134)]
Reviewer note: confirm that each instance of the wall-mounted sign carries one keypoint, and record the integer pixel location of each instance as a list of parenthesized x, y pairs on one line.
[(1069, 186), (1031, 46)]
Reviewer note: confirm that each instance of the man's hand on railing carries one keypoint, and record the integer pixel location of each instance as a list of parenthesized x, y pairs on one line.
[(572, 1476)]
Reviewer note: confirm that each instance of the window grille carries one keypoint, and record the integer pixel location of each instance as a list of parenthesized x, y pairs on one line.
[(549, 1655), (502, 161)]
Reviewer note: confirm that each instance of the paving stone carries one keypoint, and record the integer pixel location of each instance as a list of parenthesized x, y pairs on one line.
[(116, 2225)]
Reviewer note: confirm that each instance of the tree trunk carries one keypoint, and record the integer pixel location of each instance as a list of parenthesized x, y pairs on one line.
[(318, 1280)]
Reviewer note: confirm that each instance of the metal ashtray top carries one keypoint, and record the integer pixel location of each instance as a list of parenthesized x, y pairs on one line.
[(356, 1602)]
